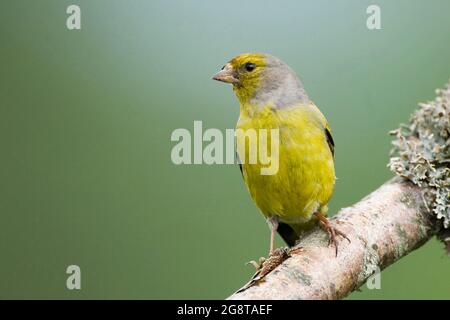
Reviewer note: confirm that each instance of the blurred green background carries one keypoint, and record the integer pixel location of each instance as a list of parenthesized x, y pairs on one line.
[(86, 118)]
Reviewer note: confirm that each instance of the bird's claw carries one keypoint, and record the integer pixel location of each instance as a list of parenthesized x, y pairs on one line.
[(265, 265), (333, 233), (257, 264)]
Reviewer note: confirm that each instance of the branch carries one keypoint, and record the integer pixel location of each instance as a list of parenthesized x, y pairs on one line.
[(383, 227)]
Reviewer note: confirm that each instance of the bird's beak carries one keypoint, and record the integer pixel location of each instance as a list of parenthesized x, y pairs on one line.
[(227, 75)]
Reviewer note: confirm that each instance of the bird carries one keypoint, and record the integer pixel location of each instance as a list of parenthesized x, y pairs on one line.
[(296, 197)]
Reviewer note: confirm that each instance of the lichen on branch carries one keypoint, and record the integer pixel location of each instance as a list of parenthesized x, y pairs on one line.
[(421, 154)]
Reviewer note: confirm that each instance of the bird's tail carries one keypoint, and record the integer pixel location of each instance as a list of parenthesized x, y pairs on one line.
[(290, 233)]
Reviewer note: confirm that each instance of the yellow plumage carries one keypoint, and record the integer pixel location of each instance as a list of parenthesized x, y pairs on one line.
[(272, 97), (305, 179)]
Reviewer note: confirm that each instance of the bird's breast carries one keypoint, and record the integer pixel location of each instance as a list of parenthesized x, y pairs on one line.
[(305, 177)]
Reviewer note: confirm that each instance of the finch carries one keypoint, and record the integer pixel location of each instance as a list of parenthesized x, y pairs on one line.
[(271, 96)]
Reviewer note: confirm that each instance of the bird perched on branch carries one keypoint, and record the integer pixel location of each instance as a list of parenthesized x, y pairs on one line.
[(271, 96)]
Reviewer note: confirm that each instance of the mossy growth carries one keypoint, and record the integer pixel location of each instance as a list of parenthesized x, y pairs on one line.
[(421, 154)]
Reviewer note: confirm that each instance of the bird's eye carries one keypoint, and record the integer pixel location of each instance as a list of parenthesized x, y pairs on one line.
[(250, 66)]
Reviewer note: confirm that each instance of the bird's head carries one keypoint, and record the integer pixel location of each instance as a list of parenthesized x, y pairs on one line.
[(262, 79)]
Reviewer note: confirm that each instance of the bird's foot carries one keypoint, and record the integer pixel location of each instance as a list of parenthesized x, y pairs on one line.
[(257, 264), (266, 265), (333, 233)]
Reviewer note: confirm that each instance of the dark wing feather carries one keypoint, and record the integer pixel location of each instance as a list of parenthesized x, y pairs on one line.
[(330, 140), (240, 164)]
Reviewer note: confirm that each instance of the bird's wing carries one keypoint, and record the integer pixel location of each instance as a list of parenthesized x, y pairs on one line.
[(239, 163), (322, 122), (330, 140)]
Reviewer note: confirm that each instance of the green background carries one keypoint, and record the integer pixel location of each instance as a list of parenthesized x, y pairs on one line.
[(86, 118)]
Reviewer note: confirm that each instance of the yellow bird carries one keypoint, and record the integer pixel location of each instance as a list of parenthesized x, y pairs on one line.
[(271, 96)]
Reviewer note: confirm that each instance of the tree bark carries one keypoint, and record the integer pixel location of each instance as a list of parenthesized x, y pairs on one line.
[(383, 227)]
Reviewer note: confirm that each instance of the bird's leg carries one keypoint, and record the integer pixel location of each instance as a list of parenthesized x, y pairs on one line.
[(276, 256), (273, 225), (332, 231)]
